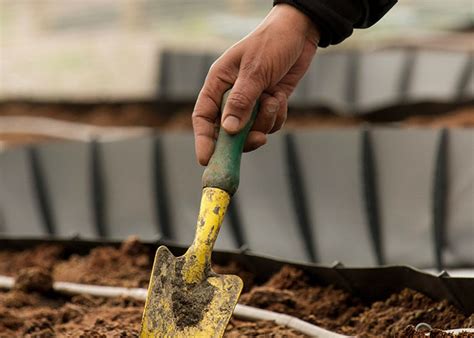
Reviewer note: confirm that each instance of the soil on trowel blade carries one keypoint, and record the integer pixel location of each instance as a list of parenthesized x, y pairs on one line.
[(190, 301)]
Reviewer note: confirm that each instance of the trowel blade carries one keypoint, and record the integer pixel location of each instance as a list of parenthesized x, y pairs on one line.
[(175, 308)]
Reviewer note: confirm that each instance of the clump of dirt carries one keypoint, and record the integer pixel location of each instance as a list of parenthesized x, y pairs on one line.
[(408, 307), (34, 279), (190, 301), (17, 299), (469, 321), (52, 315), (290, 291), (128, 266), (86, 316), (43, 256)]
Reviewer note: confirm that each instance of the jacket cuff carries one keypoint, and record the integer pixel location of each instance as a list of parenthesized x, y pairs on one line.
[(336, 19)]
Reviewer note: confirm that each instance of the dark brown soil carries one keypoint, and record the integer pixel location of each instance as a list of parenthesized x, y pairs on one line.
[(34, 279), (410, 331), (129, 266), (38, 315), (44, 256), (178, 115), (25, 311), (167, 116), (290, 291), (190, 301), (100, 114)]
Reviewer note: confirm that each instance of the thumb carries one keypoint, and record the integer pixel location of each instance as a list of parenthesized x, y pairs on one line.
[(240, 103)]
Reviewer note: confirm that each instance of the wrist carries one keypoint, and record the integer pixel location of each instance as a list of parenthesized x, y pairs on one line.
[(297, 19)]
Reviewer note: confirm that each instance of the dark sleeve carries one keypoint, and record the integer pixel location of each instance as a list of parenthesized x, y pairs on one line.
[(336, 19)]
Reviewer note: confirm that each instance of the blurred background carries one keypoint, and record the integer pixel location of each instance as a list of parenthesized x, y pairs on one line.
[(100, 93), (109, 49)]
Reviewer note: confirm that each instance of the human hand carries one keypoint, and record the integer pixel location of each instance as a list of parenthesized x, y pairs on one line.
[(266, 64)]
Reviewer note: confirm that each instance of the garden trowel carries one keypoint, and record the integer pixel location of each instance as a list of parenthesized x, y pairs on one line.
[(185, 297)]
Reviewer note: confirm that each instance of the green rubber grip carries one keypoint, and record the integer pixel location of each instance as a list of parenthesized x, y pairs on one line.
[(223, 170)]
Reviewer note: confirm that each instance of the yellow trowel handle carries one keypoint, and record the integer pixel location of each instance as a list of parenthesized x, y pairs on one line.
[(223, 170)]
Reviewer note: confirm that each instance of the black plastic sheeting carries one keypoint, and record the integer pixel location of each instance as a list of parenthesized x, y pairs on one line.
[(404, 196), (369, 284), (353, 81)]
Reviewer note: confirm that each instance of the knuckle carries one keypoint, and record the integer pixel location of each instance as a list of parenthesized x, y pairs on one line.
[(197, 113), (250, 67), (239, 101), (219, 70), (195, 117), (266, 117), (200, 121), (254, 71)]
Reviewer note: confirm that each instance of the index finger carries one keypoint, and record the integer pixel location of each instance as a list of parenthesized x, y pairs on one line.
[(206, 111)]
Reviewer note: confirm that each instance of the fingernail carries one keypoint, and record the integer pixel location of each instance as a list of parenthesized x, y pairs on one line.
[(231, 123), (273, 107)]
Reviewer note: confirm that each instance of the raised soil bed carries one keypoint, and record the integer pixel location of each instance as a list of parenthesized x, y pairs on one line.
[(177, 116), (33, 309)]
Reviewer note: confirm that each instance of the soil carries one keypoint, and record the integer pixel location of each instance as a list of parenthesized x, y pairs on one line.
[(172, 116), (43, 256), (410, 331), (34, 279), (290, 291), (190, 301), (51, 315), (177, 116), (463, 117), (34, 311), (128, 266), (46, 314)]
